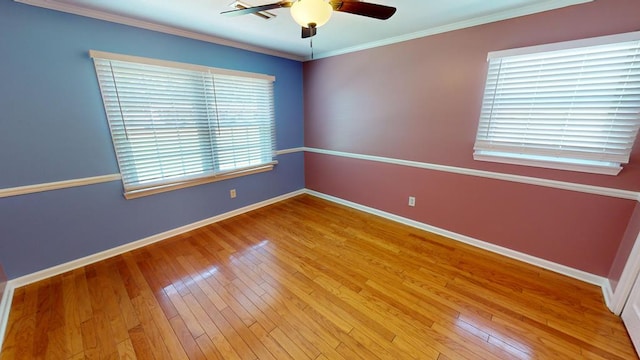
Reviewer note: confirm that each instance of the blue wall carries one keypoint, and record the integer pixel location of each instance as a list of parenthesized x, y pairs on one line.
[(53, 128)]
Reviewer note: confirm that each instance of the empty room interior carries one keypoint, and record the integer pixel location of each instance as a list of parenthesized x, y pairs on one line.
[(409, 180)]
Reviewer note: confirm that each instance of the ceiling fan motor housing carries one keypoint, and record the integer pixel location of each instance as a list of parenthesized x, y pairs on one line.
[(308, 12)]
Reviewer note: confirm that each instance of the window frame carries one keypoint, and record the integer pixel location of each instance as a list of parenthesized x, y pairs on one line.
[(133, 188), (484, 152)]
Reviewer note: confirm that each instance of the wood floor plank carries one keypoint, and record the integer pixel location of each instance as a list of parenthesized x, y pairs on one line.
[(214, 342), (122, 298), (308, 279), (211, 352), (73, 322), (199, 270), (56, 346), (291, 347), (126, 350), (17, 324), (43, 316), (301, 328), (140, 343), (297, 325), (187, 341), (149, 333), (269, 343), (89, 339), (224, 335)]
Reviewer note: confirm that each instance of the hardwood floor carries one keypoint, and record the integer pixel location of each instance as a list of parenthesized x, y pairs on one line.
[(308, 279)]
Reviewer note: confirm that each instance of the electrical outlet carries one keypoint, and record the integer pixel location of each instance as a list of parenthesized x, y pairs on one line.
[(232, 193), (412, 201)]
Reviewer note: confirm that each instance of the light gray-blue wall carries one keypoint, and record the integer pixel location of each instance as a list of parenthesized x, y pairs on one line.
[(53, 128)]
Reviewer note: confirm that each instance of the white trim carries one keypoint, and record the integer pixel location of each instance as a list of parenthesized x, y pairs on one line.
[(504, 15), (289, 151), (74, 264), (5, 307), (564, 45), (30, 189), (545, 264), (628, 278), (488, 156), (119, 19), (589, 189), (101, 15), (138, 192), (96, 54), (607, 292), (5, 304)]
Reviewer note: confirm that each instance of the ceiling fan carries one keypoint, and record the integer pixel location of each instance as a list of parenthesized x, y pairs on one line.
[(311, 14)]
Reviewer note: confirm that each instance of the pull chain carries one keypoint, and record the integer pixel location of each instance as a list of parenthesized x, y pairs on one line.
[(311, 44)]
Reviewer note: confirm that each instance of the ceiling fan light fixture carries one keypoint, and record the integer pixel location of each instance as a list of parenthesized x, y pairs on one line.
[(307, 12)]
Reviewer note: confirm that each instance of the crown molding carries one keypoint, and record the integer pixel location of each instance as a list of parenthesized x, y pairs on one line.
[(119, 19), (102, 15), (503, 15)]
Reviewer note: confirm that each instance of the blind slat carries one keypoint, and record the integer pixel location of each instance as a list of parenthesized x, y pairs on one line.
[(173, 123), (572, 105)]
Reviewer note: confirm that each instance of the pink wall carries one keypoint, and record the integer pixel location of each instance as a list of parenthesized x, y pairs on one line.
[(419, 100), (574, 229)]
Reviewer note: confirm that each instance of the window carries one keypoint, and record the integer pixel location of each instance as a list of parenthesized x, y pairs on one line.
[(175, 125), (571, 106)]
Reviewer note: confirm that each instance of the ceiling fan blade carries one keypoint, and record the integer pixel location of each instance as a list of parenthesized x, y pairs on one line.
[(255, 9), (377, 11), (309, 32)]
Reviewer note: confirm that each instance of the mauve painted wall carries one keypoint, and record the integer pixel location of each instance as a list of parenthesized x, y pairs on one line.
[(562, 226), (53, 128), (419, 100)]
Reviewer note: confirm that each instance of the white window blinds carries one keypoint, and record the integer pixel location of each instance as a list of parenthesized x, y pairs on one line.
[(173, 123), (572, 105)]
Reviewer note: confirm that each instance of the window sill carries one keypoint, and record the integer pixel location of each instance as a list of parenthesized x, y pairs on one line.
[(613, 169), (134, 194)]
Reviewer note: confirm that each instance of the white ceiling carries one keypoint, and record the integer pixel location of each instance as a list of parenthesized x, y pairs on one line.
[(343, 33)]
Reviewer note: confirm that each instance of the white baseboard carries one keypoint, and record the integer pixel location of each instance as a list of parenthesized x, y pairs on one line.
[(607, 292), (5, 306), (549, 265), (74, 264), (5, 303), (630, 273)]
